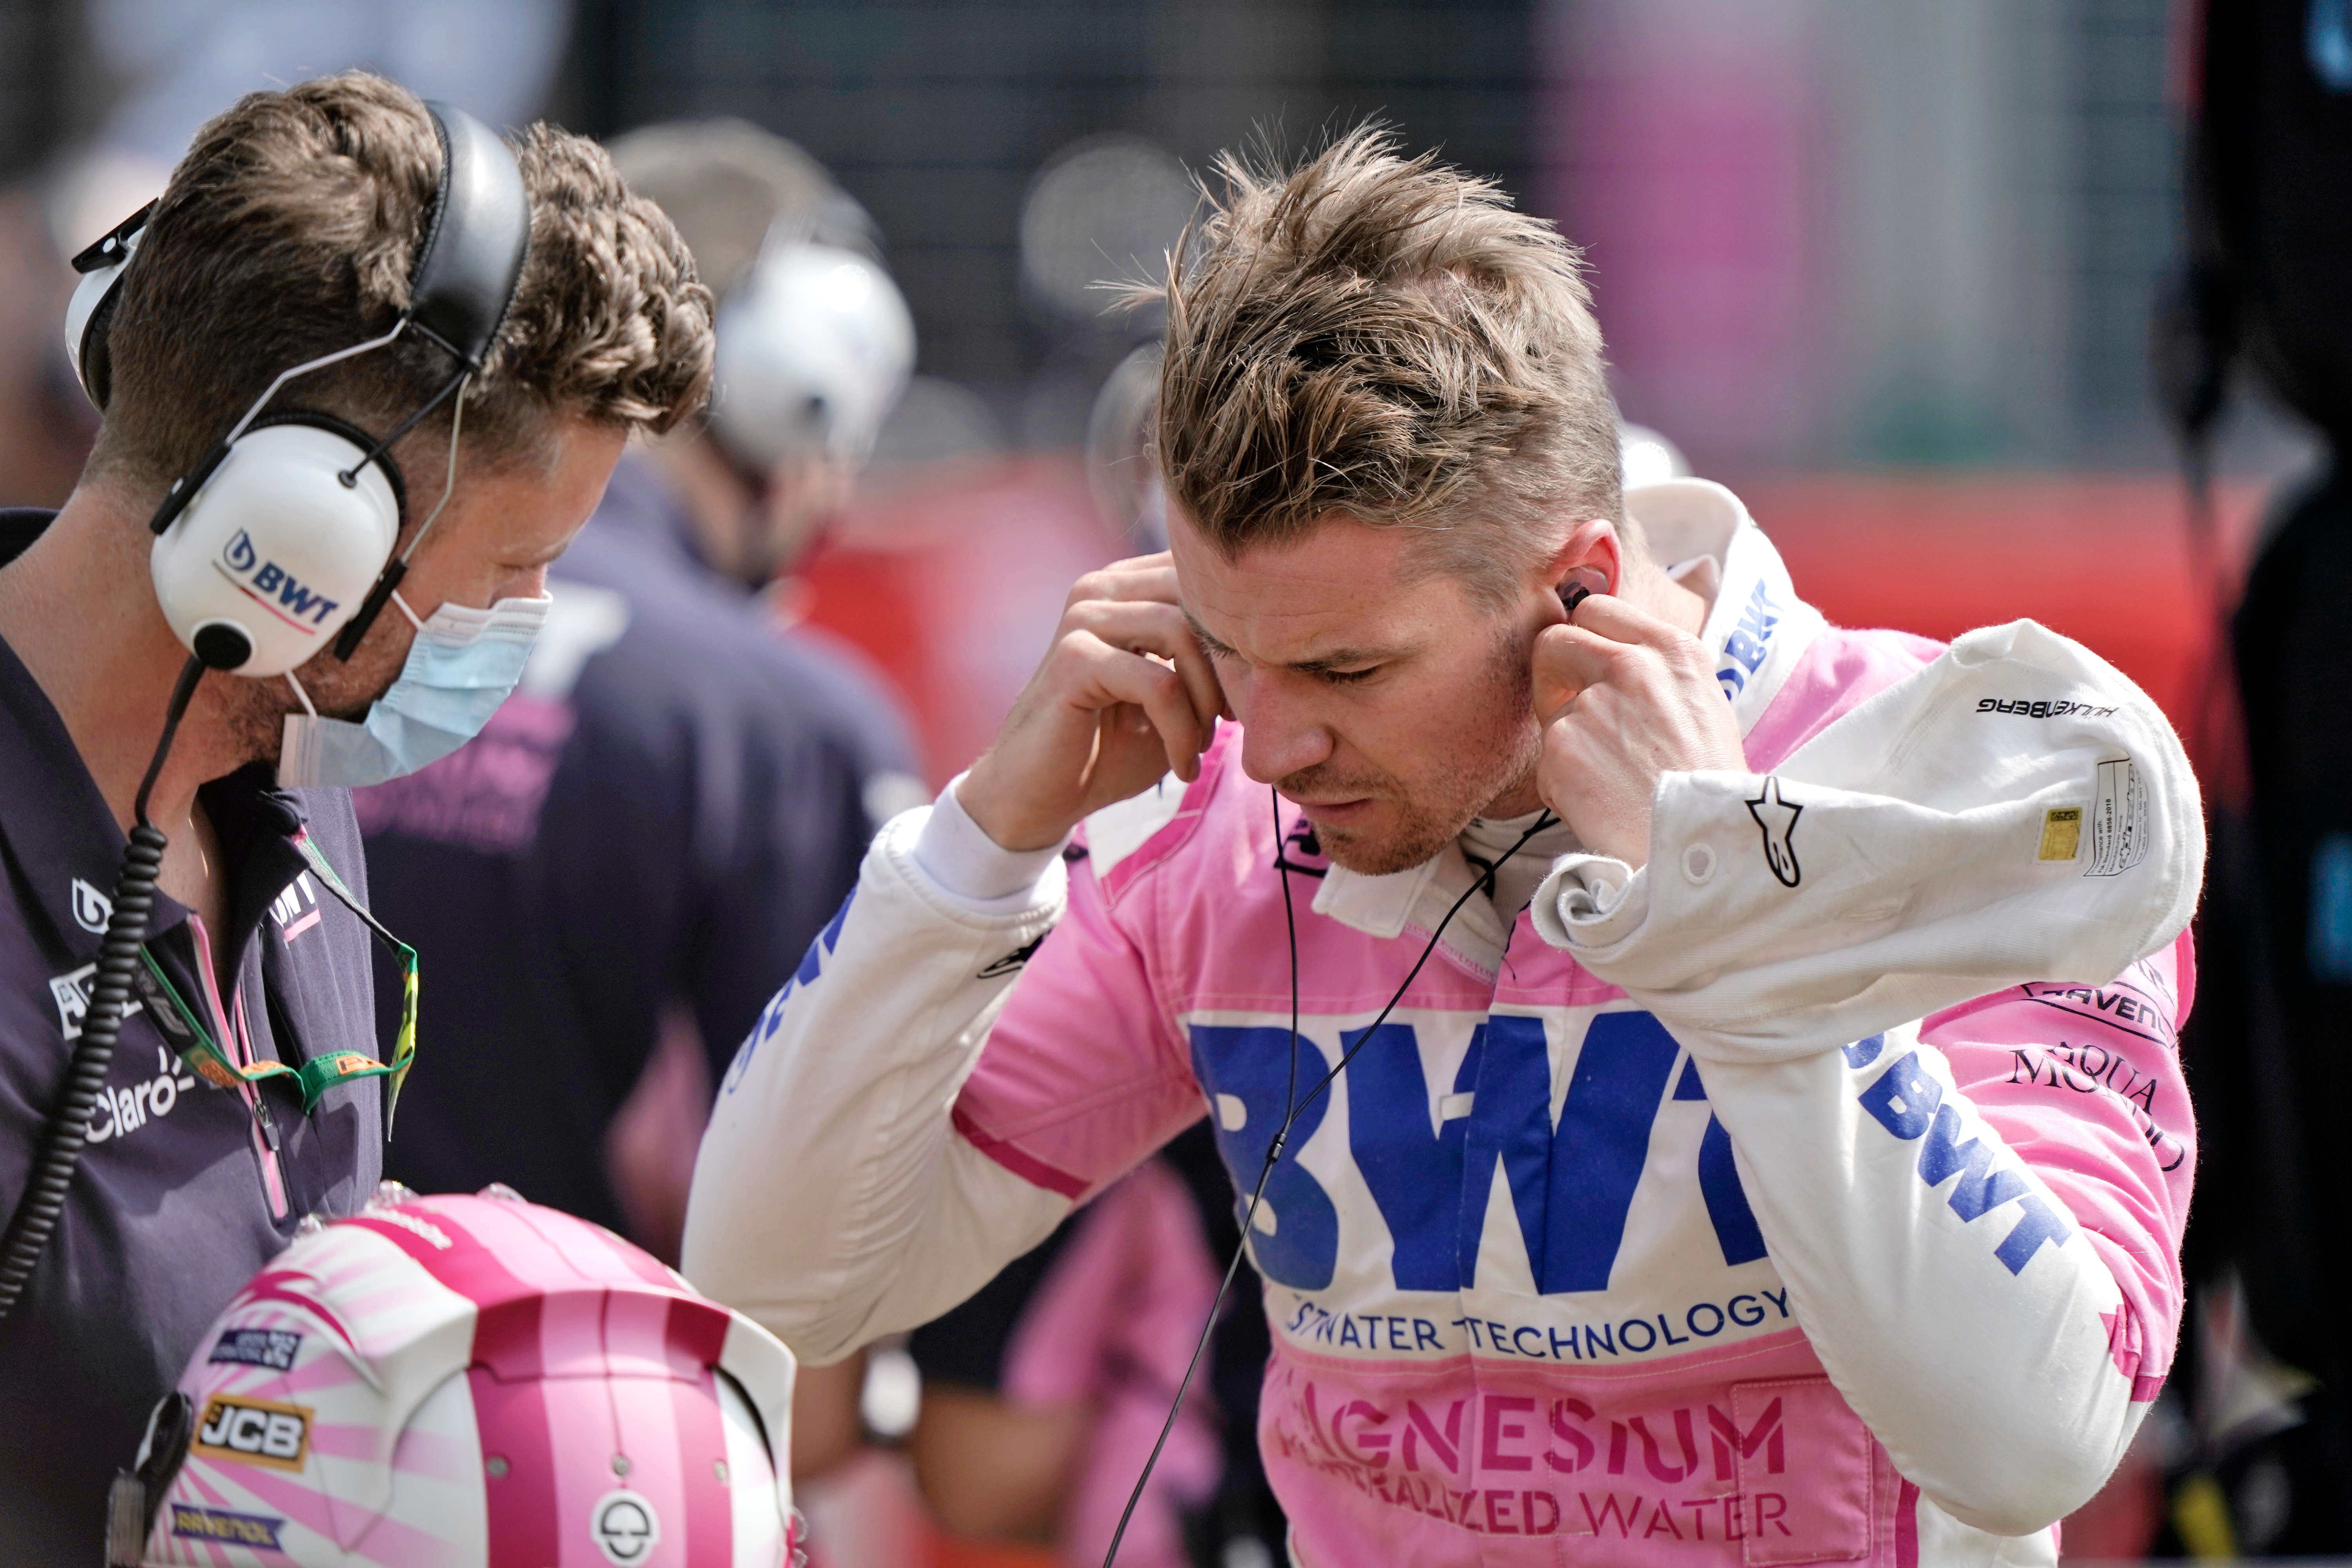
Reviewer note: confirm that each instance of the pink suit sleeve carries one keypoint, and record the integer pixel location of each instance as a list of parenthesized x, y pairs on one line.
[(1084, 1076), (2084, 1084)]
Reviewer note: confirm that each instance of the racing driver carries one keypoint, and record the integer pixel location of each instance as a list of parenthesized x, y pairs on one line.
[(1760, 1138)]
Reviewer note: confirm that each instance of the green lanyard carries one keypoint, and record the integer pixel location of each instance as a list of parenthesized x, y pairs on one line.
[(204, 1056)]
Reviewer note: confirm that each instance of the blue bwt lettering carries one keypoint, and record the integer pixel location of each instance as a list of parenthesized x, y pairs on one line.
[(1253, 1065), (1909, 1104), (1981, 1186), (1735, 1230), (1414, 1174), (1572, 1186)]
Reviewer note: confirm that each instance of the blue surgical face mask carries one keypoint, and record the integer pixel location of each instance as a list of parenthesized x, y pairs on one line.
[(463, 664)]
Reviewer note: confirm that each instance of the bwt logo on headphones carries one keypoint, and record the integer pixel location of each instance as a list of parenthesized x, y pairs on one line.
[(266, 581)]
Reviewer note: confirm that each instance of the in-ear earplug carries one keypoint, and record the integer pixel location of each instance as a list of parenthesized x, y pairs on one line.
[(1580, 584)]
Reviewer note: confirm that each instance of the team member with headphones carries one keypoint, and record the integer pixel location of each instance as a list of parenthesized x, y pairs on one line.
[(640, 844), (362, 357)]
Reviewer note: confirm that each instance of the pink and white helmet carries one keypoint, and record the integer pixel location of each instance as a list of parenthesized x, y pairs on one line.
[(467, 1383)]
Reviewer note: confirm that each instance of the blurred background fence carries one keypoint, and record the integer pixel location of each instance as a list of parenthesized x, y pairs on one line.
[(1898, 238)]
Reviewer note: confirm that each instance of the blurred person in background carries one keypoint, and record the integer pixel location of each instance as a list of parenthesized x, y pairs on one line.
[(1042, 1394), (82, 161), (815, 344), (612, 879), (2259, 1461)]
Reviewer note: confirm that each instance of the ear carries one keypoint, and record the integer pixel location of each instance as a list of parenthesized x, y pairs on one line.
[(1594, 548)]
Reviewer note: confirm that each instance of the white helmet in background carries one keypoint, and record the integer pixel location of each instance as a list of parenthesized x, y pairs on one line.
[(465, 1382), (1644, 456), (1129, 496), (814, 351)]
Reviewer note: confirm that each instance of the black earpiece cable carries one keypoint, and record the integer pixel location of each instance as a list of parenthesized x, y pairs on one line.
[(58, 1154), (1292, 1107)]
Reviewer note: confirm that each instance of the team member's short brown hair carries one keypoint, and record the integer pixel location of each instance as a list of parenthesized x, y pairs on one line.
[(291, 229), (1386, 338)]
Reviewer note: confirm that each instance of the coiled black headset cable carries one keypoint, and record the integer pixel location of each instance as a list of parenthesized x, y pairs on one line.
[(59, 1153), (1483, 883)]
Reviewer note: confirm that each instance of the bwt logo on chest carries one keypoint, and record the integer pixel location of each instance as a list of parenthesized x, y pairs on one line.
[(267, 581)]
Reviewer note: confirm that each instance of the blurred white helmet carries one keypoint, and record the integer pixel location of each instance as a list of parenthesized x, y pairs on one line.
[(814, 351), (1644, 456), (1128, 491), (464, 1381)]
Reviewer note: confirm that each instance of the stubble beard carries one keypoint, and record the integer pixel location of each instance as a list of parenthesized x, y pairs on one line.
[(255, 710), (1430, 813)]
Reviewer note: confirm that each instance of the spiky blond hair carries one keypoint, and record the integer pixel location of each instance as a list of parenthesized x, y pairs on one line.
[(1387, 338)]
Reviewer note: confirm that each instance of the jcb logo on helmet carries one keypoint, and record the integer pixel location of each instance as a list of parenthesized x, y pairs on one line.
[(254, 1432), (267, 581)]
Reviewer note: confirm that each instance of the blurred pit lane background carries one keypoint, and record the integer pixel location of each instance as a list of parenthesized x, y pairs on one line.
[(1884, 267)]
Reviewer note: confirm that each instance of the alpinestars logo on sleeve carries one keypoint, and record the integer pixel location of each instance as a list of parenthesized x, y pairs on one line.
[(1778, 818), (1011, 962)]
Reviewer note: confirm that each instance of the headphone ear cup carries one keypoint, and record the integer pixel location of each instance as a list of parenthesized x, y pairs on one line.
[(276, 548), (91, 312), (87, 316)]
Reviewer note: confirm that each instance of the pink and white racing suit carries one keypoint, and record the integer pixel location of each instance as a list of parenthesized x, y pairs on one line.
[(1766, 1205)]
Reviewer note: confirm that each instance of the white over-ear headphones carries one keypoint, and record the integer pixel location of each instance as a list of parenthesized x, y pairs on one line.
[(813, 353), (274, 550), (279, 542)]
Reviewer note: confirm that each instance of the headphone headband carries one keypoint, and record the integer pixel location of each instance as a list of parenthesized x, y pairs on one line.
[(468, 266), (100, 267), (476, 243)]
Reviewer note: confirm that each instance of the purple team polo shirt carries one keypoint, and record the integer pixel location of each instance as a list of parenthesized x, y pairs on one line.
[(186, 1190)]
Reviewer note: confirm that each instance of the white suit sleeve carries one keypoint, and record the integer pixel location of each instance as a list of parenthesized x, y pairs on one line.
[(832, 1201), (2016, 811)]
